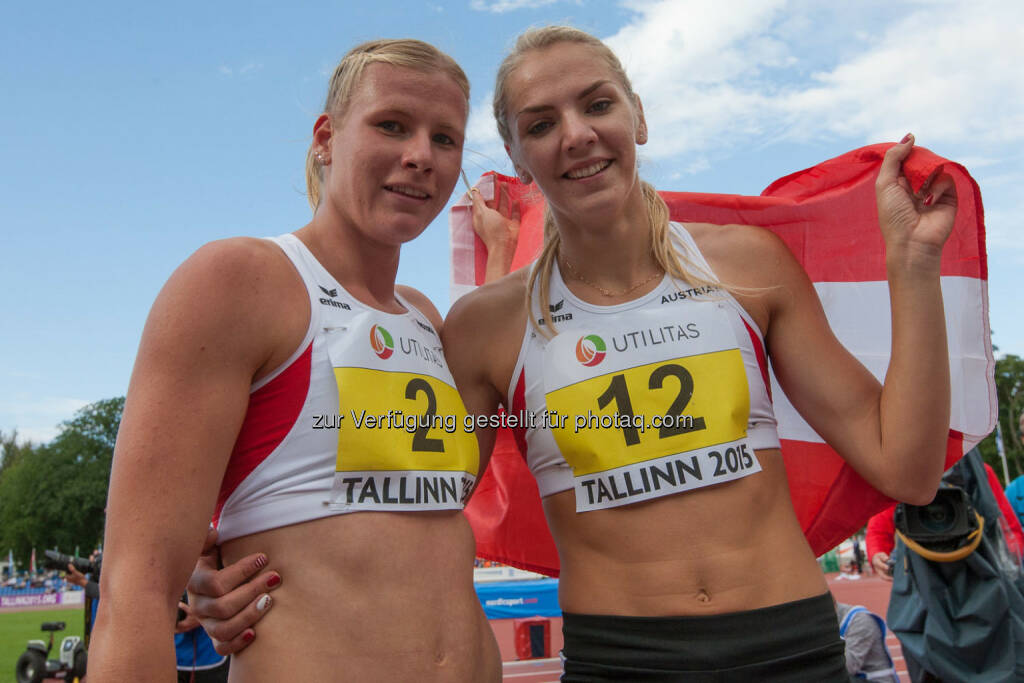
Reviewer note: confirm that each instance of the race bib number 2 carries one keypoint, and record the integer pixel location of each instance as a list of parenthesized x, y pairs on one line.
[(401, 442)]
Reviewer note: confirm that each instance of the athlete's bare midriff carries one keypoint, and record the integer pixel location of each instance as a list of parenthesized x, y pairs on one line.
[(370, 596), (725, 548)]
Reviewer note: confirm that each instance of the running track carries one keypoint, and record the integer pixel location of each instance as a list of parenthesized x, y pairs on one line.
[(870, 591)]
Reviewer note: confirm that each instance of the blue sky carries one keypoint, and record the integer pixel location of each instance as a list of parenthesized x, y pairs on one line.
[(132, 133)]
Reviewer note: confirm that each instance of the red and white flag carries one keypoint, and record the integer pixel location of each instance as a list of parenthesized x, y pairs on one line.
[(827, 217)]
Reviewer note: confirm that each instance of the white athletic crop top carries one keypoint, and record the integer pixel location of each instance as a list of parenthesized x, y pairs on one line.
[(663, 394), (363, 416)]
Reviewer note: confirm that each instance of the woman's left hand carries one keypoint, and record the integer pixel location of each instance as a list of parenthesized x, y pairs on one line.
[(917, 222)]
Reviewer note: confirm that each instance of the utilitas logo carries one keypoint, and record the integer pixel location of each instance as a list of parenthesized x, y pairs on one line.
[(381, 341), (590, 350)]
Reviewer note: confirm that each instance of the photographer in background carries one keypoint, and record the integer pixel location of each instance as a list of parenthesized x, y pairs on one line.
[(75, 566), (880, 536), (957, 604)]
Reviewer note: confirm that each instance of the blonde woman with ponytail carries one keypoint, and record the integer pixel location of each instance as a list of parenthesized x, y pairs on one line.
[(256, 358), (641, 346)]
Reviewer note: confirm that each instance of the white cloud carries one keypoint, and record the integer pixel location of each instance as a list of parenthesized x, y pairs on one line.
[(719, 78), (500, 6), (712, 71), (243, 70), (37, 435), (37, 419), (484, 149), (1004, 227)]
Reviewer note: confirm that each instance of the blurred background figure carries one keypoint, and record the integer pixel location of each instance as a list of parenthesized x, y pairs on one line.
[(198, 661), (1015, 491), (864, 634)]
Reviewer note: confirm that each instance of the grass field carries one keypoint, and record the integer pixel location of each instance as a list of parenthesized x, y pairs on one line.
[(17, 628)]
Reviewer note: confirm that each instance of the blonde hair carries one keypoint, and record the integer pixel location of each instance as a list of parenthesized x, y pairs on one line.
[(407, 53), (679, 265)]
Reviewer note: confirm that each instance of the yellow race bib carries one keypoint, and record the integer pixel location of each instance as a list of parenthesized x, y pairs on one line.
[(401, 442), (653, 405)]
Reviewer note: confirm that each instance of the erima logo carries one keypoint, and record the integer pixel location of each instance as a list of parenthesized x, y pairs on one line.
[(329, 302), (554, 308), (426, 328)]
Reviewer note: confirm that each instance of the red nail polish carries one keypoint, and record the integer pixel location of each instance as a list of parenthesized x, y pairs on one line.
[(273, 581), (928, 200), (906, 138), (261, 561), (248, 636)]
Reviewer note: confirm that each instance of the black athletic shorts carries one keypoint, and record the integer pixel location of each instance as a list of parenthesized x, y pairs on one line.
[(794, 642)]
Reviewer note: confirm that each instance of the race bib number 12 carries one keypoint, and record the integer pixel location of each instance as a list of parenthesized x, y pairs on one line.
[(650, 411)]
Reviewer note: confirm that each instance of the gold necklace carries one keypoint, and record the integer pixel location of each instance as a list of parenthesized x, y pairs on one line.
[(607, 292)]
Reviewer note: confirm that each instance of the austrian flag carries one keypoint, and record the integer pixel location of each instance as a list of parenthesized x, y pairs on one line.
[(826, 215)]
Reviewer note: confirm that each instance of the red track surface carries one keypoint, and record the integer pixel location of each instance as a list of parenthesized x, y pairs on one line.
[(869, 591)]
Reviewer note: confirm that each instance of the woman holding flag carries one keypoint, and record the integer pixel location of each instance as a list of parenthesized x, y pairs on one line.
[(643, 345), (659, 529)]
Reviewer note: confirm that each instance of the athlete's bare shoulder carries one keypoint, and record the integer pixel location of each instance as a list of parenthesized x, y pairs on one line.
[(501, 305), (422, 304), (248, 289), (240, 261), (743, 255), (753, 262)]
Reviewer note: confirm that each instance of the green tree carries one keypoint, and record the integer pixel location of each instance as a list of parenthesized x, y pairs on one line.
[(1010, 396), (54, 494), (11, 450)]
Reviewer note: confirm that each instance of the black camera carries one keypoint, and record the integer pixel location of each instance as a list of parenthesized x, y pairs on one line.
[(941, 525), (56, 560)]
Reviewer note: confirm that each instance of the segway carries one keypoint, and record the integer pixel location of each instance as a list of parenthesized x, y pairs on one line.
[(33, 664)]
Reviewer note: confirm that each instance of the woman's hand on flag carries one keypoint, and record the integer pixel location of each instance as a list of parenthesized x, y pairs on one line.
[(915, 225), (497, 224)]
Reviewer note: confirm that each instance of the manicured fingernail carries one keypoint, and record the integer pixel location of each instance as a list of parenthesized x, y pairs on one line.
[(248, 636), (263, 603), (261, 562), (928, 200), (906, 138), (273, 580)]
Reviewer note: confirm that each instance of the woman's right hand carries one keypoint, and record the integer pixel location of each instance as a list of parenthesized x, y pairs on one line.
[(229, 601), (497, 225)]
